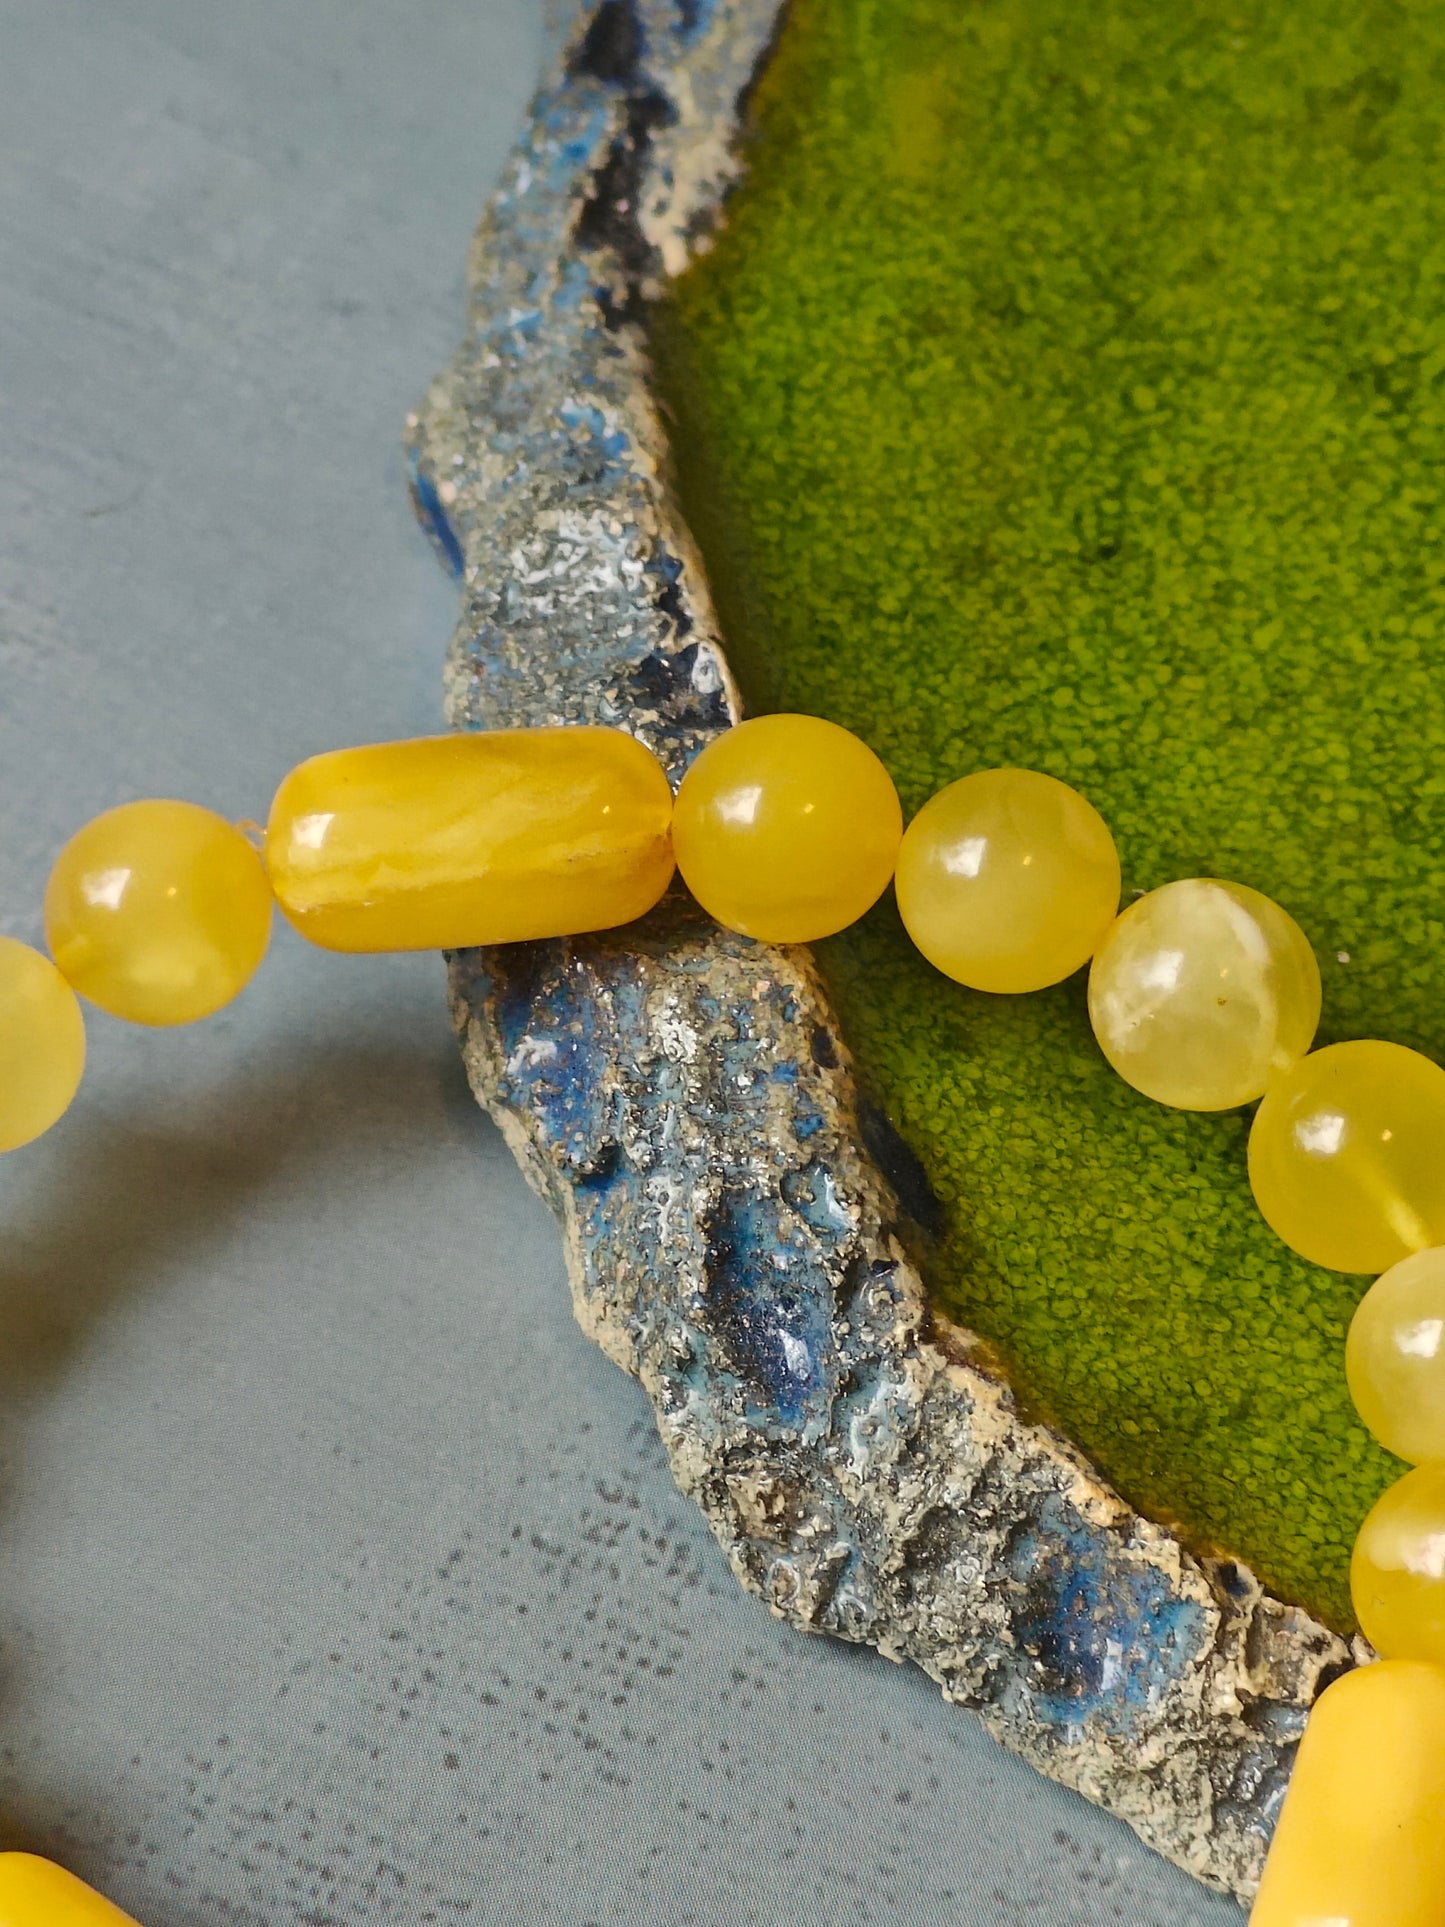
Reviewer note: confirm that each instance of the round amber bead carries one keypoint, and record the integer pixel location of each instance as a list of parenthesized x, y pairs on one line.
[(1360, 1841), (1007, 880), (1397, 1574), (42, 1044), (1395, 1357), (159, 912), (787, 828), (1201, 992), (1345, 1156)]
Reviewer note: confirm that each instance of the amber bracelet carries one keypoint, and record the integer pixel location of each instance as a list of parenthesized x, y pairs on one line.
[(1203, 994)]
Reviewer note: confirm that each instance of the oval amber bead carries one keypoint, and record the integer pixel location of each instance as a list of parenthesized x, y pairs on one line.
[(158, 911), (1345, 1155), (42, 1044), (1007, 880), (1201, 991), (1397, 1573), (490, 837), (1395, 1357), (787, 828), (1360, 1840), (37, 1893)]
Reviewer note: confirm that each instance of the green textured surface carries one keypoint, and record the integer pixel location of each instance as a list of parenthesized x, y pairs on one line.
[(1065, 390)]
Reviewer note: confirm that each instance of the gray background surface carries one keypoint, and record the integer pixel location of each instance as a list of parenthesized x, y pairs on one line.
[(341, 1581)]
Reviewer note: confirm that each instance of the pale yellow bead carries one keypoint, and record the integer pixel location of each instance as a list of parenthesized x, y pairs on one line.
[(42, 1045), (1395, 1357), (37, 1893), (1007, 880), (1345, 1155), (491, 837), (1361, 1837), (158, 911), (1201, 992), (1397, 1573), (787, 828)]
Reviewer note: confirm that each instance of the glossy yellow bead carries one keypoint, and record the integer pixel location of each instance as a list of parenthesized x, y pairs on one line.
[(1345, 1156), (1397, 1573), (1007, 880), (1361, 1837), (448, 841), (787, 828), (42, 1044), (37, 1893), (1395, 1357), (159, 912), (1201, 992)]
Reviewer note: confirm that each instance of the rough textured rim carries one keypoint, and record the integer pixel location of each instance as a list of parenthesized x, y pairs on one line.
[(682, 1098)]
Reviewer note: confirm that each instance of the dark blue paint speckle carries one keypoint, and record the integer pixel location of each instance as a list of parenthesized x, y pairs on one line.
[(1107, 1634), (769, 1309), (433, 518), (694, 18)]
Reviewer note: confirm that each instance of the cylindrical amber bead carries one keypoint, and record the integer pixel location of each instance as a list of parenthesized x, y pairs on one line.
[(37, 1893), (448, 841), (1361, 1838)]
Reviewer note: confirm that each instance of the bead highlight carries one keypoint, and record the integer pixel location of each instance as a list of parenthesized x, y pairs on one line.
[(159, 912), (1395, 1357), (1360, 1841), (1007, 880), (489, 837), (787, 828), (42, 1044), (1397, 1574), (37, 1893), (1201, 991), (1345, 1156)]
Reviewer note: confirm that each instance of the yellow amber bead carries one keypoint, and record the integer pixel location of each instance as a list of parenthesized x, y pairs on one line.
[(42, 1044), (159, 912), (1361, 1840), (787, 828), (448, 841), (1007, 880), (1395, 1357), (1345, 1156), (37, 1893), (1397, 1574), (1201, 992)]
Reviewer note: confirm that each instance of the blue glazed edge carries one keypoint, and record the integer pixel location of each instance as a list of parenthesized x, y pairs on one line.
[(683, 1099)]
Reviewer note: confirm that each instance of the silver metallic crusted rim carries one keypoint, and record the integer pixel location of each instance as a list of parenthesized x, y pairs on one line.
[(682, 1097)]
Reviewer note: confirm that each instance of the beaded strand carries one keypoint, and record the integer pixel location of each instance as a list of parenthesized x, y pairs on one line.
[(1203, 995)]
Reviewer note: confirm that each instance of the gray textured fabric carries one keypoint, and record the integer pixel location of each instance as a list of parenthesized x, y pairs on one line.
[(342, 1580)]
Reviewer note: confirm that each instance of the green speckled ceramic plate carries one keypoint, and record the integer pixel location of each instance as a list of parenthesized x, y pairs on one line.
[(1065, 390)]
